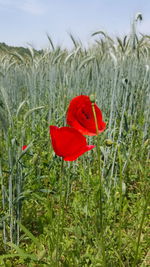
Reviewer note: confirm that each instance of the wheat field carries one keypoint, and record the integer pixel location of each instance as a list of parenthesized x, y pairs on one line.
[(37, 229)]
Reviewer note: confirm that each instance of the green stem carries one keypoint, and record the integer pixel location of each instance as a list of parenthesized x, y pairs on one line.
[(60, 216), (121, 202), (140, 229), (100, 187), (68, 187)]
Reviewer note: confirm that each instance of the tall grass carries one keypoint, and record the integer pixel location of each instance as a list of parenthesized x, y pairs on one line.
[(34, 93)]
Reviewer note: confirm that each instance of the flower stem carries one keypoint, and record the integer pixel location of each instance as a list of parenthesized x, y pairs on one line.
[(60, 215), (100, 187)]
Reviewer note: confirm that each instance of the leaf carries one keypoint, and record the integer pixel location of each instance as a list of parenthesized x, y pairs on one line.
[(29, 234), (7, 256), (46, 191), (22, 253)]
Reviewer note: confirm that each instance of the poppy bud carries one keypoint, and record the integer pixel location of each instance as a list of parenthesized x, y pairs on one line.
[(92, 98), (108, 142)]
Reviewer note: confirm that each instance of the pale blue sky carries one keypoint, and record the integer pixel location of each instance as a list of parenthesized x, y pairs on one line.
[(25, 22)]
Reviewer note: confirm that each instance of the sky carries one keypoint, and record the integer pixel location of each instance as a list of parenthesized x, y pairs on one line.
[(27, 22)]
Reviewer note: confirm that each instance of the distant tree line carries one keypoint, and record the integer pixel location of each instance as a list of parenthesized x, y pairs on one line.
[(4, 48)]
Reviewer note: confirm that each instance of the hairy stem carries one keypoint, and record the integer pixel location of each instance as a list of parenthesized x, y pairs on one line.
[(100, 187)]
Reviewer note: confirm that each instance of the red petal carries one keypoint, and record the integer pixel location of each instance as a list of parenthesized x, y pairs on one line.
[(68, 142), (82, 151)]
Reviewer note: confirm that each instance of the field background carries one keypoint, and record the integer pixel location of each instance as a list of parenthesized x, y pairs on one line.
[(50, 215)]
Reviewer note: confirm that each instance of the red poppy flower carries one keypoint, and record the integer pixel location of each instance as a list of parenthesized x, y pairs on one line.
[(24, 147), (68, 143), (80, 116)]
